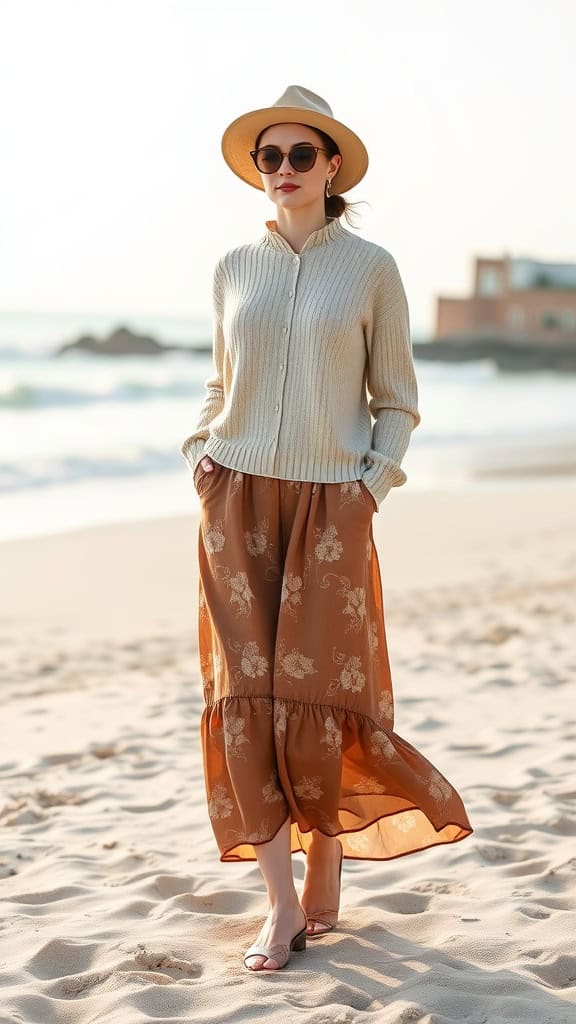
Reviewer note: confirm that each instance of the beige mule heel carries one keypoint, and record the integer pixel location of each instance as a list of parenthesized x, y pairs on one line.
[(280, 952)]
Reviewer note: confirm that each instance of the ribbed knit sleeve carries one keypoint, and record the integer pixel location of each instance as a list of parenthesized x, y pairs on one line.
[(391, 382), (192, 448)]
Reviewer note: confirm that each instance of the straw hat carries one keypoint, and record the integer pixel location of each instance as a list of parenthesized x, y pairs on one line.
[(297, 105)]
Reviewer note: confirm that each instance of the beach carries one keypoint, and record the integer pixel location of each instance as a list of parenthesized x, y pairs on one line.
[(116, 907), (146, 302)]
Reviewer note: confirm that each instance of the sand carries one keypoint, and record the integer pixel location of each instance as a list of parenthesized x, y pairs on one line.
[(115, 905)]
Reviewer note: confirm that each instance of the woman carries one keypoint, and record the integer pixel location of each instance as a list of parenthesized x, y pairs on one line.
[(297, 731)]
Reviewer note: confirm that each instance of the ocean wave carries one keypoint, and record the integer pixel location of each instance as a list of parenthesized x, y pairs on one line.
[(69, 469), (10, 353), (41, 396)]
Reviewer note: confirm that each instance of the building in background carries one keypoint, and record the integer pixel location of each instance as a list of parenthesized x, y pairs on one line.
[(514, 299)]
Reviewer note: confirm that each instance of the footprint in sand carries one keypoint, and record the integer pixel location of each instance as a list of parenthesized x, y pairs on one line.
[(58, 958), (560, 972), (164, 967), (536, 913)]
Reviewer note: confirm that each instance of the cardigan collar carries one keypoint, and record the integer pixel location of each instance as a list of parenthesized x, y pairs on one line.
[(322, 236)]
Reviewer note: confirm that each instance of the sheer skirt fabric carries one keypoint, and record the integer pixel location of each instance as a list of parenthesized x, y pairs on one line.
[(298, 718)]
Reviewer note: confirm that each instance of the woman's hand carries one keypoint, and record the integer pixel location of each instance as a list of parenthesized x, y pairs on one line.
[(206, 464)]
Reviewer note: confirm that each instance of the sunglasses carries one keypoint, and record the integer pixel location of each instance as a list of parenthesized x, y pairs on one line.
[(302, 157)]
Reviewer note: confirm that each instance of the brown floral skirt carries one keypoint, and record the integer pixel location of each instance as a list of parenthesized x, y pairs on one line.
[(299, 715)]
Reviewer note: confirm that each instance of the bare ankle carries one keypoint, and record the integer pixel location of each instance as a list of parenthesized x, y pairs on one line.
[(282, 903)]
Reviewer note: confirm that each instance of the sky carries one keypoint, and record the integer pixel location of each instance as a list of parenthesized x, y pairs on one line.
[(115, 197)]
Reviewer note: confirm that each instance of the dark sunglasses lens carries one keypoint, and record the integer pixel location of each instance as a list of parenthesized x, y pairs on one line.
[(268, 159), (302, 158)]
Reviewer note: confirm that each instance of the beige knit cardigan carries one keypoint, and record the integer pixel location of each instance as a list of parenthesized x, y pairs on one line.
[(297, 339)]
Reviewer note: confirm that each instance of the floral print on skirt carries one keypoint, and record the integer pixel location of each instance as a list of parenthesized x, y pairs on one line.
[(298, 719)]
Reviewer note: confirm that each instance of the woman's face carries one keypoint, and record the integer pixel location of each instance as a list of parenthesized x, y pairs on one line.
[(311, 184)]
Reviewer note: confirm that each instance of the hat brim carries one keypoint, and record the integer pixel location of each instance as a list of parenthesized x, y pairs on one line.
[(241, 134)]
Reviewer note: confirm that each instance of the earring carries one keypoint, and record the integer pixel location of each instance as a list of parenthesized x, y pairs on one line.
[(328, 187)]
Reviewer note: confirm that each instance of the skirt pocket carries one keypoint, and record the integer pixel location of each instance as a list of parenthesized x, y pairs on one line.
[(200, 475), (371, 497)]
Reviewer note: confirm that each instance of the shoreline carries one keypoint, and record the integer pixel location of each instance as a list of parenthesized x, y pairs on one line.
[(141, 575), (493, 471)]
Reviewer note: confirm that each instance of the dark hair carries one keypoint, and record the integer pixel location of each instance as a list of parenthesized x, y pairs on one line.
[(334, 205)]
